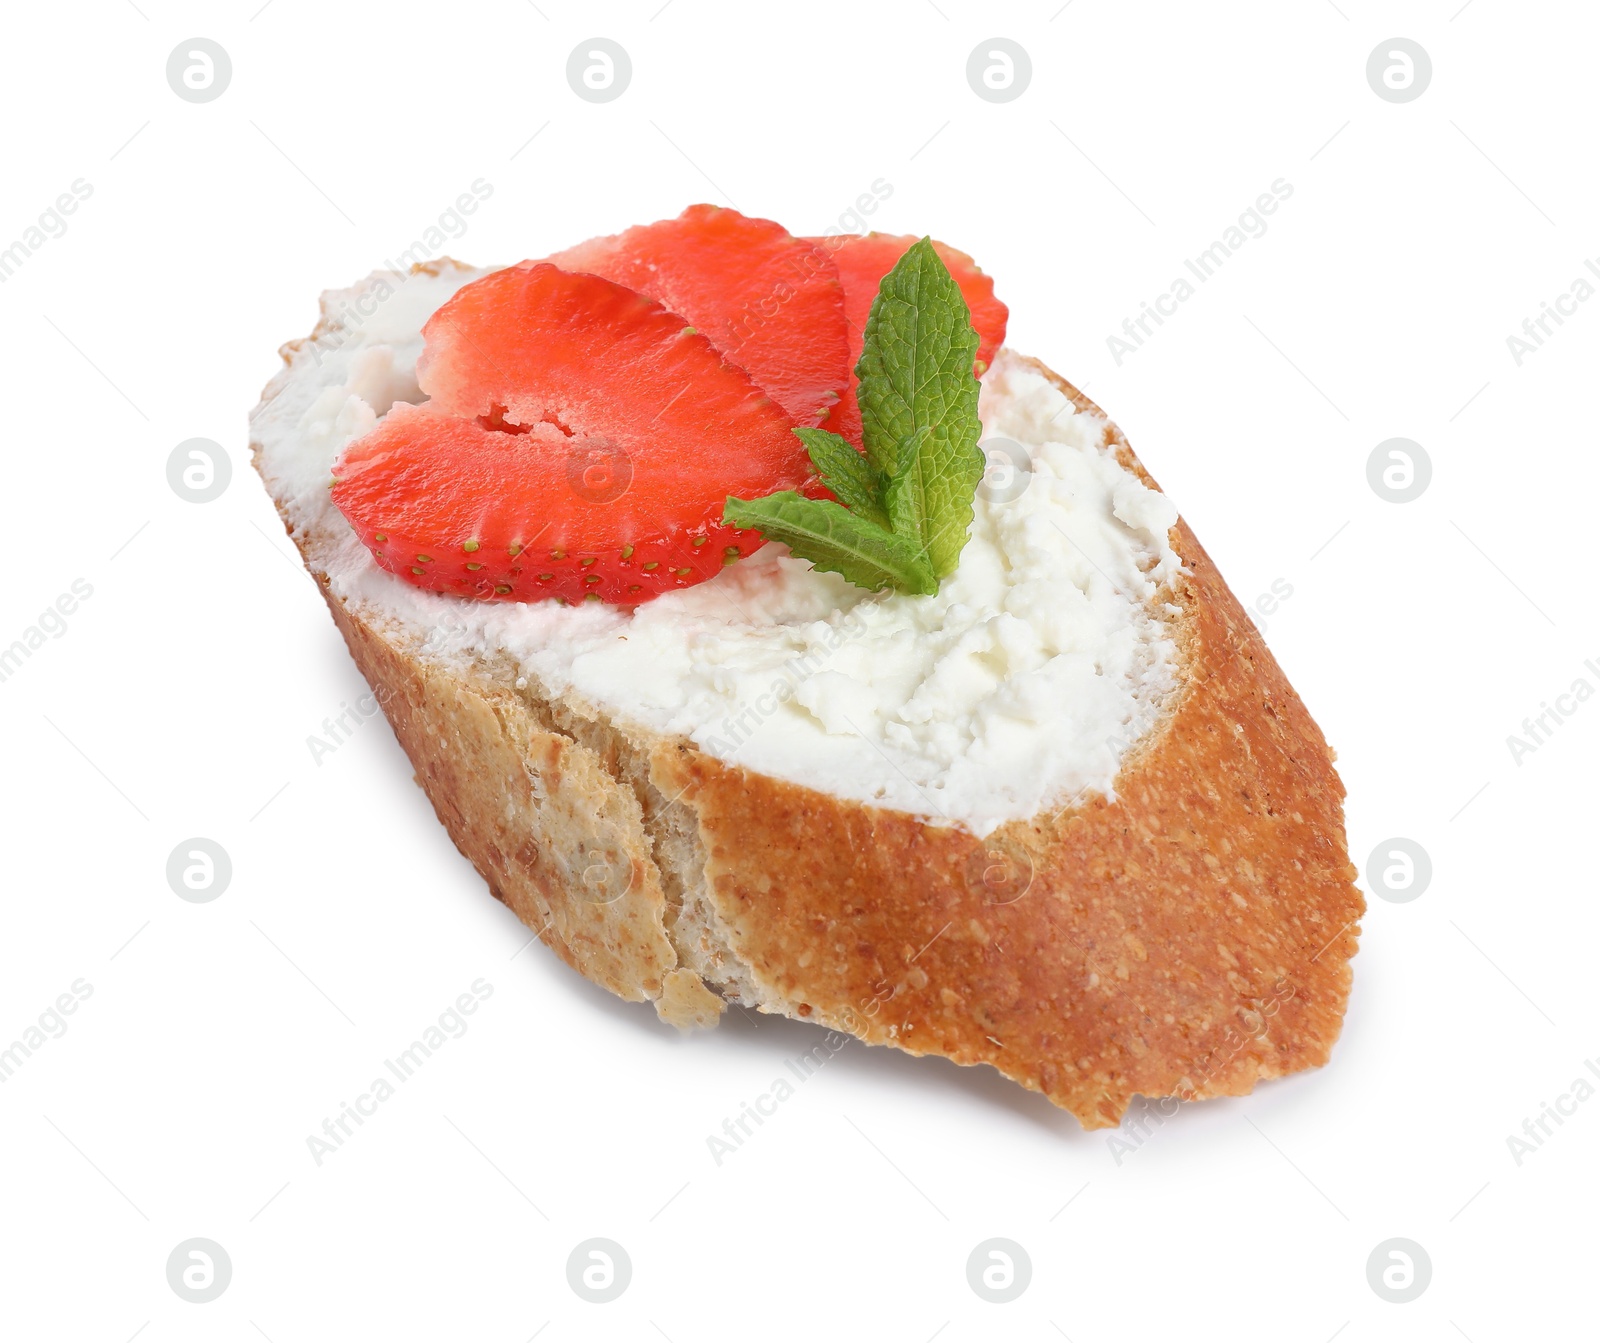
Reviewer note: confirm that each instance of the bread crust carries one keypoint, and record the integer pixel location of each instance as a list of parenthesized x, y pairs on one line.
[(1188, 938)]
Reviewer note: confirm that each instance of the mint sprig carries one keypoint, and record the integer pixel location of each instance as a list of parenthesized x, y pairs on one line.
[(834, 538), (905, 505), (850, 474)]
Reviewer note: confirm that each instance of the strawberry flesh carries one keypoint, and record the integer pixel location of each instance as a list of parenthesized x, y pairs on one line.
[(578, 443), (771, 302)]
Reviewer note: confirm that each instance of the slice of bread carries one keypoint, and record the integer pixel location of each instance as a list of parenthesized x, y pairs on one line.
[(1184, 933)]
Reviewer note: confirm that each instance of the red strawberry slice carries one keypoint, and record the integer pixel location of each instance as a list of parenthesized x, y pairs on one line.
[(863, 260), (580, 443), (768, 300)]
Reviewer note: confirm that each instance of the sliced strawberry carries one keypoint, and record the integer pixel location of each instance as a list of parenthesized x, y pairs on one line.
[(769, 301), (863, 260), (579, 443)]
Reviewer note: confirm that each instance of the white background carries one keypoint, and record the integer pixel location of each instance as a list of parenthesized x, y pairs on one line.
[(179, 699)]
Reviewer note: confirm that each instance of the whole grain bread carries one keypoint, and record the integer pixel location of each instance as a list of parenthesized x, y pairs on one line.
[(1188, 938)]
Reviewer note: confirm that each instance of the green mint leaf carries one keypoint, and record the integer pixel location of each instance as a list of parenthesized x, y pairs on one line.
[(854, 480), (919, 404), (835, 539), (905, 505)]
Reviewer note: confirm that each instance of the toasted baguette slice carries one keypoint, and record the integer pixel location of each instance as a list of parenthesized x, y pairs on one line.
[(1185, 937)]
